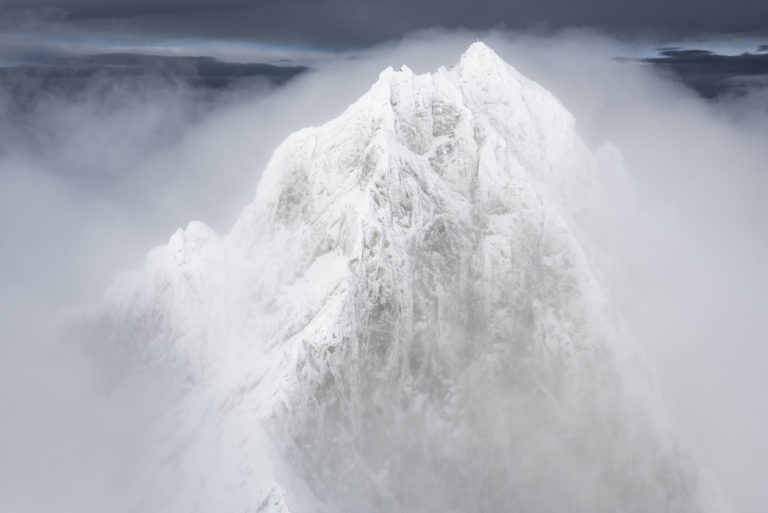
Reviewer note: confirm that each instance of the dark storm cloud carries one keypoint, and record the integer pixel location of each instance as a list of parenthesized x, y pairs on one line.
[(24, 87), (199, 71), (712, 74), (344, 23)]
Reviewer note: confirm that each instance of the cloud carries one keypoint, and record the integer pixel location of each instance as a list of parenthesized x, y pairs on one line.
[(692, 244), (713, 74), (90, 181), (348, 23)]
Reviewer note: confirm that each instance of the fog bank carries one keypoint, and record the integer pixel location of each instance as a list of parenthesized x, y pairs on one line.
[(88, 186)]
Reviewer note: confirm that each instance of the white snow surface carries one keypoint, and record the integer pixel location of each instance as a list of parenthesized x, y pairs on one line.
[(409, 317)]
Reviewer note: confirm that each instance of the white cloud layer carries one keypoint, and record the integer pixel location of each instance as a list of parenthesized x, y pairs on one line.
[(88, 185)]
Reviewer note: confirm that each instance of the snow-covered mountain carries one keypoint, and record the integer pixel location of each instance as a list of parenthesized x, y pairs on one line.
[(409, 317)]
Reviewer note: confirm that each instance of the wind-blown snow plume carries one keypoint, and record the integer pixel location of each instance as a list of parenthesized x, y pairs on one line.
[(410, 316)]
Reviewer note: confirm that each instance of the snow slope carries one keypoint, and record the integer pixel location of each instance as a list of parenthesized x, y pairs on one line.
[(409, 317)]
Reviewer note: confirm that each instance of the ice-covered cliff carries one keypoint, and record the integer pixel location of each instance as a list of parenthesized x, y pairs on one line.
[(407, 318)]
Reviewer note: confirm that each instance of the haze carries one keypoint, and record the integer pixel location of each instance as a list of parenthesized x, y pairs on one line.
[(91, 180)]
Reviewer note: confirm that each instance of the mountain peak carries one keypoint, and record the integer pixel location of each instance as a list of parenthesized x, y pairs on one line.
[(479, 63), (406, 318), (479, 51), (481, 56)]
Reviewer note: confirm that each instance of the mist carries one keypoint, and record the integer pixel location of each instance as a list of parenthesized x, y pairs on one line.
[(90, 182)]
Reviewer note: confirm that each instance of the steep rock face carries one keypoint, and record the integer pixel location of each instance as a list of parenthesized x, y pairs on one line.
[(406, 318)]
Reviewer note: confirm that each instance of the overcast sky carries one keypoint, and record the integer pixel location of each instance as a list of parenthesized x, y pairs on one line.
[(346, 24)]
